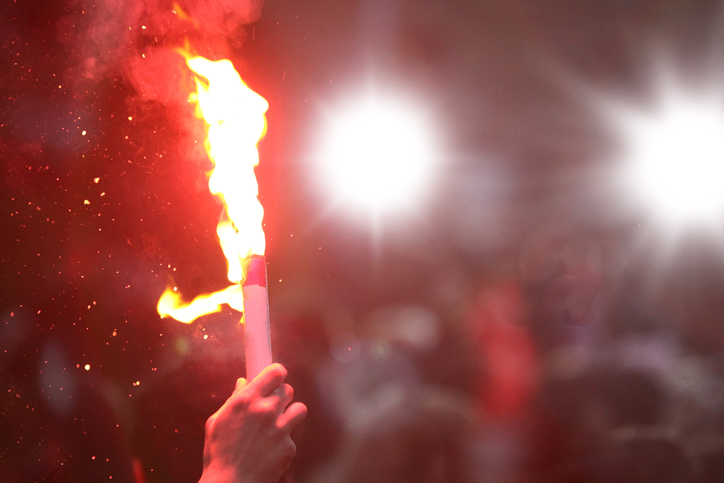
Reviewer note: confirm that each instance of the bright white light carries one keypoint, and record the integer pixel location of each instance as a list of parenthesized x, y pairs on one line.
[(377, 154), (678, 158)]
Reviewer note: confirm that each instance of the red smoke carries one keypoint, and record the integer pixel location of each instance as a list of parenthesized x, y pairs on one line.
[(137, 39)]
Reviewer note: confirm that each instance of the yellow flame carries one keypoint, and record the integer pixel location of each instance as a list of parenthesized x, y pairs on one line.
[(236, 122), (172, 305), (176, 8)]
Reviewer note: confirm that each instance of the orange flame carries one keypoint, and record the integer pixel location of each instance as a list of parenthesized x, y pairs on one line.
[(176, 8), (236, 122)]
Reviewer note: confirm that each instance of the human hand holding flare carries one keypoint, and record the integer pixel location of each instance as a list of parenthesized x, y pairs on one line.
[(248, 439)]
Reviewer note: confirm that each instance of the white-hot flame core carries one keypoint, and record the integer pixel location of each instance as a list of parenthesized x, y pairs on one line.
[(235, 115), (377, 155), (678, 158)]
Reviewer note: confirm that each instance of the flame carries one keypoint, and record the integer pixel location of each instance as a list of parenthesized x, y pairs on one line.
[(236, 122), (170, 304), (176, 8)]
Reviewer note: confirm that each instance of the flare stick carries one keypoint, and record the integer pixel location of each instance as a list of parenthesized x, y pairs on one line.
[(257, 337)]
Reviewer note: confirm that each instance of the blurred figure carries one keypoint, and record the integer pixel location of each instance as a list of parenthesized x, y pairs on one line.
[(630, 398), (506, 352), (248, 438), (507, 377), (711, 465), (639, 457), (395, 426)]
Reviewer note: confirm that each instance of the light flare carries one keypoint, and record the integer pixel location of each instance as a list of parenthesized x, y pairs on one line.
[(680, 159), (377, 154), (236, 122), (676, 156)]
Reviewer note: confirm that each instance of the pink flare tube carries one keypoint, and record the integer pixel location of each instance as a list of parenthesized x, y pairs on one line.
[(257, 337)]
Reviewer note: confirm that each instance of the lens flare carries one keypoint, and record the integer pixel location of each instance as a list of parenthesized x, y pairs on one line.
[(377, 154), (678, 158)]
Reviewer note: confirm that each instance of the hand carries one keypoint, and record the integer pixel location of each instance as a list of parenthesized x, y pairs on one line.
[(248, 439)]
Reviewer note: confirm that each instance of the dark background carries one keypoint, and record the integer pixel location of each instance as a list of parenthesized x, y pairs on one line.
[(104, 198)]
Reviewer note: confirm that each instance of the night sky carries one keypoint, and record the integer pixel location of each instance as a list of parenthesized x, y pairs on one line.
[(104, 200)]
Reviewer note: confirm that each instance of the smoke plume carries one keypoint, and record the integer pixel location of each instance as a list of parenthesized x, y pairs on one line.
[(138, 39)]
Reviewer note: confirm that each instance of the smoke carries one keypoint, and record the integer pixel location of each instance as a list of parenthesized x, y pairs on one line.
[(137, 39)]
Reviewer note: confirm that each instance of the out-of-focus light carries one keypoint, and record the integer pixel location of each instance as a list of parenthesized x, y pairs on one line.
[(378, 154), (677, 163)]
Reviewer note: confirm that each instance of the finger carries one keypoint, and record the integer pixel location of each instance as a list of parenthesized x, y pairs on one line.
[(285, 393), (293, 416), (270, 378), (210, 423), (240, 383)]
